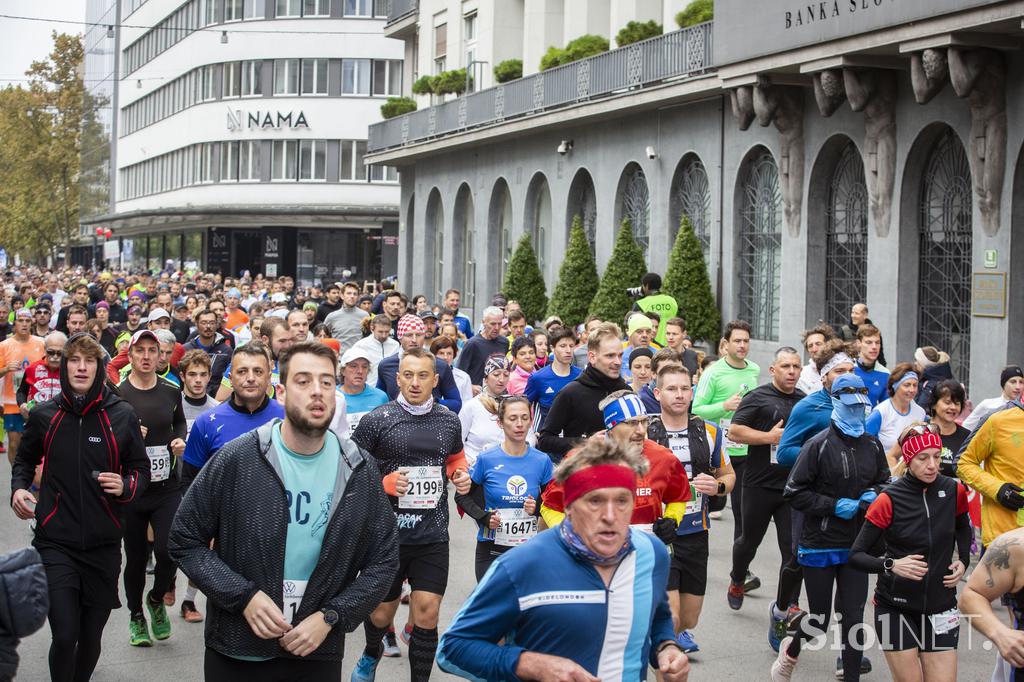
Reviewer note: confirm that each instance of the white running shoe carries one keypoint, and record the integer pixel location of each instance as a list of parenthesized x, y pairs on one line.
[(784, 665)]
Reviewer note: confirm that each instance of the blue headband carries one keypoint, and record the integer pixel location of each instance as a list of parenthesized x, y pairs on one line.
[(622, 409), (903, 379)]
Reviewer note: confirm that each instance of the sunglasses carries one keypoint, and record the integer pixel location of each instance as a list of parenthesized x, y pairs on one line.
[(921, 429), (54, 352), (851, 390)]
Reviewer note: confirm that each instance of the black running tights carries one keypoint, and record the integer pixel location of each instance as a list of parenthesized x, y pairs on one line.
[(77, 632), (852, 592)]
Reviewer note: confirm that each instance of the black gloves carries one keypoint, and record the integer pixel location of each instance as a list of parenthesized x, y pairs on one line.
[(1010, 496), (665, 529)]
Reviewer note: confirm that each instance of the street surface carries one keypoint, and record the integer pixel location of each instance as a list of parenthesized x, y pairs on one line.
[(733, 644)]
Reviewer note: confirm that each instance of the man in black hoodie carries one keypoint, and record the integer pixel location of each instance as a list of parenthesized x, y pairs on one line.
[(575, 414), (95, 461)]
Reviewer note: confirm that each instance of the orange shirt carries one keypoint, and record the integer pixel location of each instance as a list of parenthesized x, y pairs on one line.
[(236, 318), (24, 353)]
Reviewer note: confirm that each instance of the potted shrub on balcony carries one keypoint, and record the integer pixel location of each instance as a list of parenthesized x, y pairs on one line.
[(508, 70), (396, 106), (586, 45), (635, 31), (697, 12)]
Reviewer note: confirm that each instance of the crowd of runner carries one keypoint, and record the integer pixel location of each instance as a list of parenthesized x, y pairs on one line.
[(291, 451)]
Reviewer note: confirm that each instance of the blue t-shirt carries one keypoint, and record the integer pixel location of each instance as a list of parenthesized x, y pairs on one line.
[(508, 480), (309, 486), (542, 387), (876, 381), (362, 403), (214, 428)]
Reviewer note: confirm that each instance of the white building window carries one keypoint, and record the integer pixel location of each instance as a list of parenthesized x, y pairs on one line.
[(210, 17), (233, 10), (313, 160), (228, 161), (383, 174), (314, 76), (249, 160), (289, 8), (358, 8), (204, 160), (352, 152), (286, 76), (387, 77), (284, 160), (254, 9), (208, 86), (232, 85), (355, 76), (316, 8), (381, 8), (251, 81)]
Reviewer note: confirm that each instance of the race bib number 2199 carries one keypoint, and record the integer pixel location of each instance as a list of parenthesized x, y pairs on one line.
[(426, 484)]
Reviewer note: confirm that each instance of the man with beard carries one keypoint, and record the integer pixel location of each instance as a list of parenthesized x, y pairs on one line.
[(288, 577)]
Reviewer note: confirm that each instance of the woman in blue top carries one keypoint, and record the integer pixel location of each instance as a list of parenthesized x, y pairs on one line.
[(507, 482)]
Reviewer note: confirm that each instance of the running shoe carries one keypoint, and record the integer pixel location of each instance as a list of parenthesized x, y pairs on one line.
[(150, 565), (784, 665), (685, 641), (865, 667), (777, 628), (161, 623), (365, 670), (190, 613), (406, 634), (752, 582), (735, 596), (138, 632), (391, 649), (715, 515)]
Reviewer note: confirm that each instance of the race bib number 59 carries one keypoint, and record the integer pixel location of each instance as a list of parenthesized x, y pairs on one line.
[(426, 484), (159, 463)]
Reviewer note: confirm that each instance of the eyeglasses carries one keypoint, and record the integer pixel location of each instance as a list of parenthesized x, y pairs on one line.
[(637, 421), (56, 352), (850, 390)]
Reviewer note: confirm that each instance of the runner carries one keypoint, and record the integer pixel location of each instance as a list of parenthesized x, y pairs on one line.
[(585, 600), (508, 481), (360, 397), (676, 340), (479, 416), (42, 377), (814, 340), (945, 403), (719, 392), (94, 453), (208, 340), (479, 348), (344, 323), (444, 348), (759, 423), (288, 577), (411, 335), (17, 352), (868, 368), (890, 417), (377, 346), (698, 447), (919, 518), (545, 384), (1011, 381), (524, 364), (418, 447), (275, 336), (157, 403)]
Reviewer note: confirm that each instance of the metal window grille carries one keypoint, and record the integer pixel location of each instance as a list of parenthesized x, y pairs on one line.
[(636, 207), (759, 240), (583, 201), (846, 237), (691, 197), (944, 284)]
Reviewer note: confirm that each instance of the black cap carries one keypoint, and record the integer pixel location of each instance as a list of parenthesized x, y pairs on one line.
[(427, 314)]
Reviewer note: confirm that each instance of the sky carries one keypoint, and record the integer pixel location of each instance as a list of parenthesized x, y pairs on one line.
[(25, 41)]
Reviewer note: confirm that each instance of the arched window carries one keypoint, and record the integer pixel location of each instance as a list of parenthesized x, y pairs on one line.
[(499, 234), (944, 294), (464, 267), (635, 205), (759, 246), (583, 202), (846, 236), (691, 197), (538, 214), (409, 239), (435, 240)]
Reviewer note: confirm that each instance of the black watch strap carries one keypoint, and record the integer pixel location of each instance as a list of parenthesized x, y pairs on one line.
[(721, 488)]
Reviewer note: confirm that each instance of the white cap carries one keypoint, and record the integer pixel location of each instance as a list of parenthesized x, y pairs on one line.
[(157, 314), (354, 354), (279, 298)]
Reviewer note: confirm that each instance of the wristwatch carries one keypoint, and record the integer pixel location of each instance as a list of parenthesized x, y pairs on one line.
[(721, 488), (330, 616), (887, 564)]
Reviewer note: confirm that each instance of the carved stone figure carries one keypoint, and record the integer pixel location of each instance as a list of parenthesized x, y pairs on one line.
[(784, 106), (874, 92), (980, 76), (829, 91), (929, 73), (742, 99)]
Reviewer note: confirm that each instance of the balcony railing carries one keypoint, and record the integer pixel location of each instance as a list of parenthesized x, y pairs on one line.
[(686, 52), (400, 9)]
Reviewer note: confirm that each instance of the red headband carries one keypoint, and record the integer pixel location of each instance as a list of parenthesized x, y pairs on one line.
[(600, 476), (912, 446)]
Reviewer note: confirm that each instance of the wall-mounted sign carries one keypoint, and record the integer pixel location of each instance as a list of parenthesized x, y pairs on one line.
[(991, 258), (260, 120), (988, 294)]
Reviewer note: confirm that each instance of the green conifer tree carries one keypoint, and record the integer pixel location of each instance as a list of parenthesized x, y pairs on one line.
[(525, 283), (625, 269), (686, 280), (577, 278)]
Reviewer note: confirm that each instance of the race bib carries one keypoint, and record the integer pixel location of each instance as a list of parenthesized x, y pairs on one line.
[(696, 502), (425, 487), (773, 457), (353, 421), (944, 622), (293, 591), (725, 435), (516, 527), (159, 463)]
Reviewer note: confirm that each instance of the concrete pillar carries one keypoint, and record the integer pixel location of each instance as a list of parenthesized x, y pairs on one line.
[(586, 16), (542, 28), (625, 11)]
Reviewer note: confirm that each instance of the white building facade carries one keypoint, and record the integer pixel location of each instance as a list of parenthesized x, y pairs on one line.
[(241, 130)]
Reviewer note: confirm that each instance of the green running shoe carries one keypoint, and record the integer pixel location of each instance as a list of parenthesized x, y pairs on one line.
[(138, 632), (161, 623)]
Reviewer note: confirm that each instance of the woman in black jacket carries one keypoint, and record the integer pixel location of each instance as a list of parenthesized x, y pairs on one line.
[(837, 474), (90, 445), (919, 517)]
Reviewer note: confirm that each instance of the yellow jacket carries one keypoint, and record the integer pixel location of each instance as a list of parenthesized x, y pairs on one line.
[(999, 444)]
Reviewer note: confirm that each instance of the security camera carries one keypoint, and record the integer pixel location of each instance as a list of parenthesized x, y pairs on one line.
[(564, 147), (651, 153)]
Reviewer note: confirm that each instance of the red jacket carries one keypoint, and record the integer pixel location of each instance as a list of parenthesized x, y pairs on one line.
[(40, 383)]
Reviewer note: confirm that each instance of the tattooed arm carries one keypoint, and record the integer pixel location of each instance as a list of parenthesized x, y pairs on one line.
[(1001, 570)]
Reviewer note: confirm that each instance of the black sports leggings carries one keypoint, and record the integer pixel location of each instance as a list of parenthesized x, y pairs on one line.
[(156, 508), (486, 553), (77, 632), (736, 497), (852, 592), (760, 506)]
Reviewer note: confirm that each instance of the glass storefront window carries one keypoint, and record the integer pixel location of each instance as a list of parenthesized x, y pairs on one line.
[(155, 260), (193, 253)]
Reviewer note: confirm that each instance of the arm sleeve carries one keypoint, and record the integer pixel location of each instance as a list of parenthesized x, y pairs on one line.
[(794, 433), (362, 595), (466, 356), (799, 488), (30, 452), (450, 396), (702, 401), (662, 629), (135, 465), (469, 648), (21, 397), (195, 524), (532, 390), (874, 422), (860, 553), (969, 468), (466, 419), (116, 364), (474, 505), (551, 517), (454, 463)]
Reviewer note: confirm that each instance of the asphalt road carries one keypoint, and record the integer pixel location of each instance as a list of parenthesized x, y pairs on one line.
[(733, 643)]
